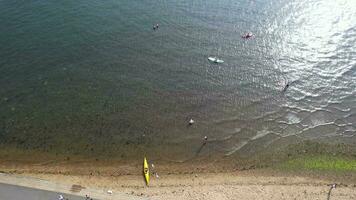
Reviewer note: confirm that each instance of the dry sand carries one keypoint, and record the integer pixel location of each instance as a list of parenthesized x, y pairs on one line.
[(184, 184), (238, 185)]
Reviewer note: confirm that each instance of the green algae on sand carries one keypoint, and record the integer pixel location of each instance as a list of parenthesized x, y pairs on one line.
[(321, 162)]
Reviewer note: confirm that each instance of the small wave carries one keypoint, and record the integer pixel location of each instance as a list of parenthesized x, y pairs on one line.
[(236, 148), (260, 134), (291, 119)]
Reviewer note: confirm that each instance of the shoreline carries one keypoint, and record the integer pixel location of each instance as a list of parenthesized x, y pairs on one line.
[(301, 176), (302, 171), (307, 156)]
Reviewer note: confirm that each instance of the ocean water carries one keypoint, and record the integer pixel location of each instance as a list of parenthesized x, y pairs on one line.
[(92, 77)]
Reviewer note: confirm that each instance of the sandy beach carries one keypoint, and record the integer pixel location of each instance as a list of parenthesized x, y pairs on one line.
[(308, 173), (238, 184)]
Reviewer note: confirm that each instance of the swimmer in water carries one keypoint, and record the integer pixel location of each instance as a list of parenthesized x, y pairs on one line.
[(155, 27), (286, 87)]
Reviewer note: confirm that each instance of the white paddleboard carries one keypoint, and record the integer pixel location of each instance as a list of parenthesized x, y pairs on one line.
[(215, 60)]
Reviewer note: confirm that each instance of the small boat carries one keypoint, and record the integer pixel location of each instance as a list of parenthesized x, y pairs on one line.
[(215, 60), (247, 35), (146, 171)]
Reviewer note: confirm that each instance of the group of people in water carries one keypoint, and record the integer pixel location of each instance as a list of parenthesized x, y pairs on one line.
[(155, 27), (247, 35)]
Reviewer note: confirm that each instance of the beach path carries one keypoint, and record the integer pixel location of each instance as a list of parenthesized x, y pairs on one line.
[(14, 192), (14, 187)]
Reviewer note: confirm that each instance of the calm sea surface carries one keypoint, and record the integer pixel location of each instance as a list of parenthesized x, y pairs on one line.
[(93, 77)]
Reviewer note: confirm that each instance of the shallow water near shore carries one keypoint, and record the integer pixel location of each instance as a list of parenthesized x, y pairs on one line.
[(93, 77)]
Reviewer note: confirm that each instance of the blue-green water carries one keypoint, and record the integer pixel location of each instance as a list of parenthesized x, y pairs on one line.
[(93, 77)]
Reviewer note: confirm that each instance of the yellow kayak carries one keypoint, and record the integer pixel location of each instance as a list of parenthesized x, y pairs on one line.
[(146, 171)]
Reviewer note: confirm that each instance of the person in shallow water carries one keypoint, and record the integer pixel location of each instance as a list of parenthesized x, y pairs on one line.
[(286, 87), (205, 140), (191, 122)]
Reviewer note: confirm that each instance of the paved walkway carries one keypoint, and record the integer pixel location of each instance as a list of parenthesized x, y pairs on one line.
[(14, 192), (14, 187)]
